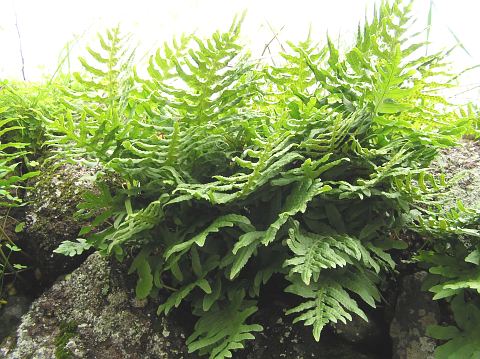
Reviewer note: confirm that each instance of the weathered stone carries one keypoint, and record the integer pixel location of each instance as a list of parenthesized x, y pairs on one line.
[(92, 313), (53, 198), (283, 339), (11, 313), (462, 161), (89, 314), (359, 331), (414, 312)]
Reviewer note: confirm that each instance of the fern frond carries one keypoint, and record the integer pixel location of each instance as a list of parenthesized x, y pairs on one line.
[(326, 302), (220, 331), (463, 338), (228, 220)]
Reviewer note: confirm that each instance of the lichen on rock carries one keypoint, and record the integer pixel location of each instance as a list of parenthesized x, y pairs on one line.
[(49, 216), (415, 311), (98, 300), (461, 164)]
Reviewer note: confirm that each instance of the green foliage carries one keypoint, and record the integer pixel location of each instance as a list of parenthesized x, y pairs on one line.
[(13, 174), (228, 171), (223, 329), (454, 267), (329, 302), (470, 114), (24, 106), (463, 338)]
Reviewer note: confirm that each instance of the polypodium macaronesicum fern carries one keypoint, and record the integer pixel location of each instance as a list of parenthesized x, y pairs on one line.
[(232, 171), (454, 275), (106, 87), (13, 175)]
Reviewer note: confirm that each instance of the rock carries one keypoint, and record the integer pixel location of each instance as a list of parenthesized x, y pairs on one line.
[(11, 313), (360, 331), (415, 311), (90, 314), (464, 160), (53, 197), (283, 339)]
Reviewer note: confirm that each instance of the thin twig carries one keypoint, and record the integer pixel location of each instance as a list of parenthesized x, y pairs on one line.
[(20, 45), (267, 46), (465, 91), (276, 34)]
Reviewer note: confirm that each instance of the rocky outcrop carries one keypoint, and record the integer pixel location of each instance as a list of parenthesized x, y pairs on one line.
[(415, 311), (461, 164), (92, 313), (11, 313), (364, 333), (282, 339), (49, 217)]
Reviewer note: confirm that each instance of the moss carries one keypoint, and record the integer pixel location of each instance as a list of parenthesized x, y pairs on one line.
[(67, 332)]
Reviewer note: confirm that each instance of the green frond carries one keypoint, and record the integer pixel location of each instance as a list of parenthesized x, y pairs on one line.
[(462, 340), (228, 220), (326, 302), (227, 171), (219, 331), (314, 252)]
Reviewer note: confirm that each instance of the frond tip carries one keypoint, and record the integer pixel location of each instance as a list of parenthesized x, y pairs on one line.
[(326, 302), (219, 331)]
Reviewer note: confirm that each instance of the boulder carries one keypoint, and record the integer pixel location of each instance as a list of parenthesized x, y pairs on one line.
[(11, 313), (462, 161), (92, 313), (414, 312), (282, 339), (49, 218), (359, 331)]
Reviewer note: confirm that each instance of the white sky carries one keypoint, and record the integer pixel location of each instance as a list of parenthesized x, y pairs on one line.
[(47, 25)]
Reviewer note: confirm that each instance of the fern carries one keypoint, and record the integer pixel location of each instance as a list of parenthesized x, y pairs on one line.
[(327, 302), (462, 340), (14, 153), (224, 329), (97, 103), (455, 277), (229, 171), (315, 252)]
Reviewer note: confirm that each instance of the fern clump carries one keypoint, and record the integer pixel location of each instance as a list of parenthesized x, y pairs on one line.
[(234, 171), (15, 111)]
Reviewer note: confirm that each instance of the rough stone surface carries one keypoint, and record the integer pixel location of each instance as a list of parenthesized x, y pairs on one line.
[(11, 313), (414, 312), (462, 161), (359, 331), (53, 198), (284, 340), (92, 314)]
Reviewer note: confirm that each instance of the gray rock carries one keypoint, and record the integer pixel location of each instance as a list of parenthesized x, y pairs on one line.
[(462, 161), (359, 330), (92, 314), (53, 198), (290, 343), (11, 313), (282, 339), (414, 312)]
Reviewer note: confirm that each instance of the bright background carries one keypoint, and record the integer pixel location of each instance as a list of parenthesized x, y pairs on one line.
[(46, 26)]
